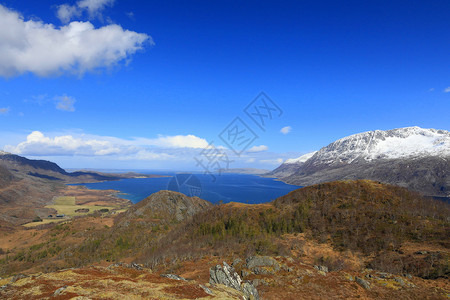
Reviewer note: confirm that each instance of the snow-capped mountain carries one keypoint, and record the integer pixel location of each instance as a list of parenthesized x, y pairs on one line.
[(414, 157), (290, 166), (300, 159), (391, 144)]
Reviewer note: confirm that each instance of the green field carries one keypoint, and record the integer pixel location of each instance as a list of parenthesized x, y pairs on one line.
[(66, 205)]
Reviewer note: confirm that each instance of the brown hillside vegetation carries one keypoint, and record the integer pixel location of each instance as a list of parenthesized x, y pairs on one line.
[(397, 241), (365, 217)]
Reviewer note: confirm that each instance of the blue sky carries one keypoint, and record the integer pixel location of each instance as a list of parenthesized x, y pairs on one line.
[(146, 84)]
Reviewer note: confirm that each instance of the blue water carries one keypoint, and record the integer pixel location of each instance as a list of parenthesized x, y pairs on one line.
[(227, 187)]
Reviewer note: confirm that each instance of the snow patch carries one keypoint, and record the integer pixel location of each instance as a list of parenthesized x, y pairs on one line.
[(300, 159)]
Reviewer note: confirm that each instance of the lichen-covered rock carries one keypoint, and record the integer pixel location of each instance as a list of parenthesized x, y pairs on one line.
[(227, 276), (17, 277), (263, 271), (206, 289), (244, 273), (321, 268), (250, 291), (365, 284), (173, 276), (256, 282), (262, 261), (236, 262), (60, 291)]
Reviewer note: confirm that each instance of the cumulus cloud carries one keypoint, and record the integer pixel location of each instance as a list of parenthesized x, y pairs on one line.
[(65, 103), (286, 130), (176, 152), (94, 8), (38, 144), (4, 110), (76, 48), (258, 148), (66, 12), (447, 90)]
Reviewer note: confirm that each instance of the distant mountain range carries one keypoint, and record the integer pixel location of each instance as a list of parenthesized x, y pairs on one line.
[(49, 170), (412, 157)]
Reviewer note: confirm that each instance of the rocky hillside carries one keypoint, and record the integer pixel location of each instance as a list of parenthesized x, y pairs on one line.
[(412, 157), (165, 206), (365, 217), (117, 281), (5, 177), (290, 166), (51, 171), (27, 185)]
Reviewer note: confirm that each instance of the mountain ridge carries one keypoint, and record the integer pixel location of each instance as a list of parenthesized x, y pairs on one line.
[(411, 157)]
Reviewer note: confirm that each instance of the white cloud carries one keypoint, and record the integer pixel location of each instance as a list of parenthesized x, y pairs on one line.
[(76, 48), (37, 144), (65, 103), (4, 110), (94, 8), (163, 147), (447, 90), (258, 148), (431, 90), (181, 141), (286, 130), (177, 141), (66, 12), (177, 152)]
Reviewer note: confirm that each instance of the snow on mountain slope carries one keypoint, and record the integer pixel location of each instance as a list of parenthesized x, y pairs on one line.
[(412, 157), (300, 159), (391, 144)]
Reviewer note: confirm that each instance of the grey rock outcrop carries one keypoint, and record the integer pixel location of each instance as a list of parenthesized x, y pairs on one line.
[(321, 268), (60, 291), (227, 276), (365, 284), (173, 276), (257, 262)]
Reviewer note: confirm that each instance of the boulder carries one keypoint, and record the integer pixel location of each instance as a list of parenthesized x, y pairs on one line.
[(173, 276), (250, 291), (262, 261), (227, 276), (365, 284), (60, 291), (400, 281), (321, 268)]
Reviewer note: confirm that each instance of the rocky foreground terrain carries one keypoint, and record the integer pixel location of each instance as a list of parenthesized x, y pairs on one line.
[(339, 240), (267, 278)]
